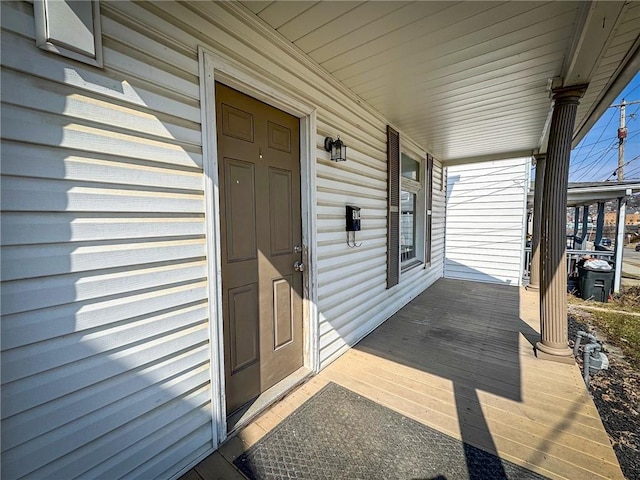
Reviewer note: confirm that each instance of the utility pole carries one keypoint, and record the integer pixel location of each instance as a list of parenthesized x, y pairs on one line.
[(622, 135)]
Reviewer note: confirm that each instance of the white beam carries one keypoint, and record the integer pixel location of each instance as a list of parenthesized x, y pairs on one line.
[(628, 69), (590, 42), (489, 158), (578, 196)]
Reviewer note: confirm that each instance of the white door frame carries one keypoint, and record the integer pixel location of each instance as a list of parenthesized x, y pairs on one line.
[(218, 67)]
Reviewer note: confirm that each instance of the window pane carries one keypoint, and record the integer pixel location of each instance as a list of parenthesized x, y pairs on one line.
[(410, 168), (407, 226)]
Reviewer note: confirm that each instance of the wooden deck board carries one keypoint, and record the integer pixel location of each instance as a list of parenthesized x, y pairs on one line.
[(504, 427), (438, 388), (459, 359)]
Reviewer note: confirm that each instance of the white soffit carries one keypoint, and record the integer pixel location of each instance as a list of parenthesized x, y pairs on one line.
[(463, 79), (618, 65)]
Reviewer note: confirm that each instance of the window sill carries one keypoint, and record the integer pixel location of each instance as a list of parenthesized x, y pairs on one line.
[(410, 265)]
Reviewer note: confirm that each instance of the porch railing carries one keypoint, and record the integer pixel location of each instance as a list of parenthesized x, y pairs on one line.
[(572, 260)]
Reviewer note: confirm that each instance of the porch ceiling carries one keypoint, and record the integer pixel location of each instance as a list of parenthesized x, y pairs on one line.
[(467, 80)]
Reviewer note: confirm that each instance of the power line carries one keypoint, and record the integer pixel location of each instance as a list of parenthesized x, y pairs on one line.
[(633, 102), (593, 171), (625, 164), (634, 171), (599, 154), (590, 166), (603, 157), (596, 143), (633, 90), (579, 166), (601, 133)]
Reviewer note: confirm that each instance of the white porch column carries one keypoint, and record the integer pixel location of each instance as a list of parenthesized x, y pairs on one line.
[(622, 216), (553, 344), (534, 276), (599, 223), (585, 226)]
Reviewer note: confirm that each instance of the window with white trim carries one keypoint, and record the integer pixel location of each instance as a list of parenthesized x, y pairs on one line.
[(412, 211)]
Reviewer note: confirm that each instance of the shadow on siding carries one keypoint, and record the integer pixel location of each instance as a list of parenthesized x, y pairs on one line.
[(104, 303)]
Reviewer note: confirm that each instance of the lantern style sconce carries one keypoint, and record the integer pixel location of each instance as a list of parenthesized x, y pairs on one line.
[(337, 148)]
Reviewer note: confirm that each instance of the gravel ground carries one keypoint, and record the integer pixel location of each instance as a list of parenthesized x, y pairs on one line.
[(616, 393)]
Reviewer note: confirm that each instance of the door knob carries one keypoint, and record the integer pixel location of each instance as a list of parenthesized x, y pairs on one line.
[(298, 267)]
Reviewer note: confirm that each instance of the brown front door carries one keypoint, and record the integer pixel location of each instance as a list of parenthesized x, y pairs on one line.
[(259, 172)]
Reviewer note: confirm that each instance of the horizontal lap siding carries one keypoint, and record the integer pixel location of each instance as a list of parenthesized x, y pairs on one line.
[(352, 294), (105, 329), (105, 320), (352, 298), (485, 221)]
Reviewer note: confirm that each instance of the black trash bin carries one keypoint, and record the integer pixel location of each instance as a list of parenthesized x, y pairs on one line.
[(595, 284)]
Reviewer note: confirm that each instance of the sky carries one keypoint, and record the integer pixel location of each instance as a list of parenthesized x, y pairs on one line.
[(595, 158)]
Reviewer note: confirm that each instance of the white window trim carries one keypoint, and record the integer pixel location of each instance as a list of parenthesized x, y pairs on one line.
[(421, 205)]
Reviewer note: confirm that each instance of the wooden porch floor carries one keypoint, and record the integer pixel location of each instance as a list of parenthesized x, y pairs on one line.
[(459, 359)]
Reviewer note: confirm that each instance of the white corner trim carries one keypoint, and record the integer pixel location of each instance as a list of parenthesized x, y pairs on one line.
[(214, 269), (309, 206)]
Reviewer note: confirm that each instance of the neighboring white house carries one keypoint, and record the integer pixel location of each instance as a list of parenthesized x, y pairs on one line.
[(486, 220), (151, 254)]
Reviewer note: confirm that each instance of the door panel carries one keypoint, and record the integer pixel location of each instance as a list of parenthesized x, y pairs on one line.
[(282, 312), (281, 224), (279, 137), (244, 327), (240, 203), (237, 123), (259, 170)]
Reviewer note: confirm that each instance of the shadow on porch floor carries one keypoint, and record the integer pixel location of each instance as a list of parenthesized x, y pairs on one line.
[(459, 359)]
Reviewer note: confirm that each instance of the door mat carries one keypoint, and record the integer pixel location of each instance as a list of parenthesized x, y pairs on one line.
[(338, 434)]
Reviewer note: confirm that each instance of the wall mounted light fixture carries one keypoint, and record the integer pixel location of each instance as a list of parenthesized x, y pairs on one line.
[(337, 148)]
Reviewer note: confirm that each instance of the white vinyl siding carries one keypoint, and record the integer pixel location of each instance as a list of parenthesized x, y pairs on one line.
[(105, 310), (485, 225), (105, 323), (352, 294)]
